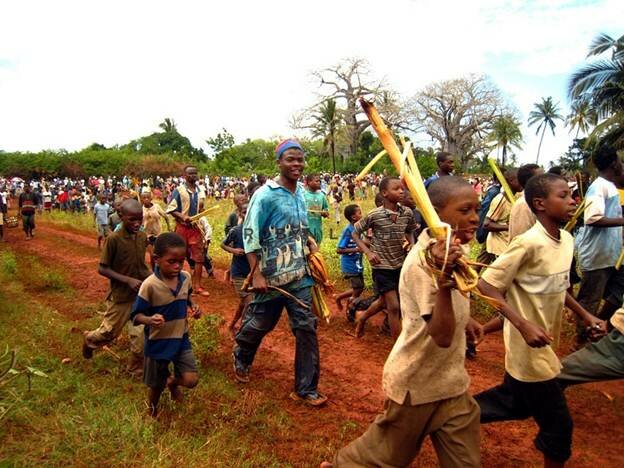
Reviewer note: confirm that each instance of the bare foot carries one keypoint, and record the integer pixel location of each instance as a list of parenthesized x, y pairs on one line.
[(326, 464), (176, 391), (359, 327), (339, 303), (232, 330)]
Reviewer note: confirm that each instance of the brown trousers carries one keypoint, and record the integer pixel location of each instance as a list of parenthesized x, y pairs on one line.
[(395, 437), (116, 316)]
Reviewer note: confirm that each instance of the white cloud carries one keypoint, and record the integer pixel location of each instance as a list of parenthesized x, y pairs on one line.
[(74, 72)]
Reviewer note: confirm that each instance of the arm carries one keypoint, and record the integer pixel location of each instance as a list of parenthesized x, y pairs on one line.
[(109, 273), (588, 319), (162, 213), (492, 226), (360, 227), (155, 321), (605, 222), (342, 251), (258, 281)]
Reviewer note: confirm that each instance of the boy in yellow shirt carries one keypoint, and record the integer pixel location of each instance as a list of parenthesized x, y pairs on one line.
[(530, 280)]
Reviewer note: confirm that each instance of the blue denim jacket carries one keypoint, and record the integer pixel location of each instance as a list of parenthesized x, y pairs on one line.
[(276, 229)]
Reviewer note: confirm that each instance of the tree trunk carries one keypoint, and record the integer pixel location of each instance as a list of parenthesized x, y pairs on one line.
[(539, 147), (332, 147), (504, 157)]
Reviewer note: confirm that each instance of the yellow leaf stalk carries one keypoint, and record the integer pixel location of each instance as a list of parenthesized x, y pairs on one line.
[(501, 179), (577, 214), (620, 259), (370, 165)]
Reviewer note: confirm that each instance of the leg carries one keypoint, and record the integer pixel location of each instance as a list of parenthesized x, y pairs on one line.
[(614, 295), (394, 312), (303, 323), (603, 360), (500, 403), (185, 374), (456, 441), (237, 315), (154, 398), (341, 297), (115, 318), (259, 320), (591, 292), (374, 309), (136, 334)]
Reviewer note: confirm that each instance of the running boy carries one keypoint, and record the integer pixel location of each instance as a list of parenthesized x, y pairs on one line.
[(101, 211), (424, 379), (391, 223), (350, 259), (123, 262), (318, 208), (161, 307), (530, 280), (239, 269)]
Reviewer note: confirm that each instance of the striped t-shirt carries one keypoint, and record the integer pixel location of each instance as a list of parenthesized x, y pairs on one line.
[(155, 297), (389, 230)]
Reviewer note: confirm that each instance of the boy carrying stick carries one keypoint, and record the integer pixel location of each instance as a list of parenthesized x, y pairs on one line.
[(424, 379), (530, 280)]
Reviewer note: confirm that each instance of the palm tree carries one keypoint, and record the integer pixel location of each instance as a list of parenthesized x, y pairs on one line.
[(168, 125), (505, 134), (545, 113), (326, 121), (582, 117)]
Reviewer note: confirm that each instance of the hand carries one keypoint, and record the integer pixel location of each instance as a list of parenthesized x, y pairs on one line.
[(259, 284), (325, 214), (474, 332), (438, 253), (157, 321), (312, 245), (239, 252), (373, 258), (186, 219), (196, 312), (134, 284), (596, 328), (535, 336)]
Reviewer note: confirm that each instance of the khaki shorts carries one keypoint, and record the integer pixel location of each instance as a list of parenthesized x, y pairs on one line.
[(238, 287)]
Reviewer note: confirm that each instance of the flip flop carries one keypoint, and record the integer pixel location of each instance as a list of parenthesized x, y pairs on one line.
[(202, 292)]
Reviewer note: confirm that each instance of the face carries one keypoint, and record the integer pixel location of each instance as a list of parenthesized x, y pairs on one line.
[(291, 164), (559, 203), (447, 166), (462, 214), (132, 220), (395, 192), (146, 199), (617, 167), (191, 174), (172, 261), (243, 210), (514, 184), (315, 183), (408, 200), (102, 200), (356, 216)]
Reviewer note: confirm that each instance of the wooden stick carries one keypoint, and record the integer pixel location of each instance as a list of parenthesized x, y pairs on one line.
[(203, 213)]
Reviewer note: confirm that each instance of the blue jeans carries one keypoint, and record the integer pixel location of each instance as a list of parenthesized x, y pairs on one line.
[(262, 317)]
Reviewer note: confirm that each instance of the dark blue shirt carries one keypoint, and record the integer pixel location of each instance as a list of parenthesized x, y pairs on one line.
[(350, 264), (240, 266)]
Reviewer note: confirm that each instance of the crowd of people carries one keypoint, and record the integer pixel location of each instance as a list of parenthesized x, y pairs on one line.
[(528, 266)]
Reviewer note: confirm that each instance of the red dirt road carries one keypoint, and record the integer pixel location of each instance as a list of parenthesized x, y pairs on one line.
[(351, 372)]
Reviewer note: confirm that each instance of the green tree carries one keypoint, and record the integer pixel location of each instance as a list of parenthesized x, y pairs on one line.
[(222, 141), (326, 121), (168, 125), (581, 118), (506, 134), (546, 114)]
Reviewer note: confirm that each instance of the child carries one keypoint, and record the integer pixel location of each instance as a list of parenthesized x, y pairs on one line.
[(317, 207), (123, 262), (424, 379), (114, 220), (351, 258), (530, 280), (521, 218), (162, 306), (234, 218), (101, 211), (391, 224), (239, 268), (152, 214)]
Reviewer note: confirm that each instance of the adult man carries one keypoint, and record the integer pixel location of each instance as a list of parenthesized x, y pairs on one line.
[(275, 235), (185, 203), (28, 202), (446, 166)]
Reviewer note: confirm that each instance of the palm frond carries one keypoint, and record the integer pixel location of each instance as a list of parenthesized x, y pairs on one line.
[(594, 75), (600, 44)]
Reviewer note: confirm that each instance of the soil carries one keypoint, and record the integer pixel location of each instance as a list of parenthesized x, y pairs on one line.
[(351, 371)]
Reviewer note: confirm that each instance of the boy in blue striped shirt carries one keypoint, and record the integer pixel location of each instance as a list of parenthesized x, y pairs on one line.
[(161, 305)]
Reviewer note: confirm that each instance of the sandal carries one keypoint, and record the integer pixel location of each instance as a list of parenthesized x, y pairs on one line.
[(202, 292), (313, 399)]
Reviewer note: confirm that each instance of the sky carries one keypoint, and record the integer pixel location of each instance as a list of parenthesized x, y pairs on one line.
[(77, 72)]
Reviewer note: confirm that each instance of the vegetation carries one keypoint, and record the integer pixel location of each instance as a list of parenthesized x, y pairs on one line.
[(546, 114)]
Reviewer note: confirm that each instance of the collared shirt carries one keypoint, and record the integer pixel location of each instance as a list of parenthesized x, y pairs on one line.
[(600, 247), (534, 272), (316, 202), (417, 365), (184, 201), (125, 254), (155, 297), (276, 229), (521, 218)]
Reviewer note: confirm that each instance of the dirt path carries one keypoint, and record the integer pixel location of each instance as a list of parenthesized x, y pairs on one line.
[(351, 371)]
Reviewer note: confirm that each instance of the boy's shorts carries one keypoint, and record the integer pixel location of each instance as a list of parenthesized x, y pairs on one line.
[(386, 280), (357, 281), (543, 401), (156, 371), (103, 230), (237, 281)]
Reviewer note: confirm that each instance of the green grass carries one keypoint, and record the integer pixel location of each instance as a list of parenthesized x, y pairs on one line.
[(91, 412)]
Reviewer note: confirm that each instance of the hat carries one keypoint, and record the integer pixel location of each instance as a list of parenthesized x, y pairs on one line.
[(286, 145)]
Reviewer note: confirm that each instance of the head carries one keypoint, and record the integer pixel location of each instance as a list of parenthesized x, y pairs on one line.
[(118, 207), (391, 189), (457, 204), (379, 199), (557, 170), (131, 215), (242, 210), (607, 161), (190, 174), (445, 162), (262, 179), (526, 172), (169, 254), (549, 196), (146, 199), (408, 200), (27, 188), (511, 175), (353, 213), (314, 182), (101, 199), (290, 159), (239, 199)]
